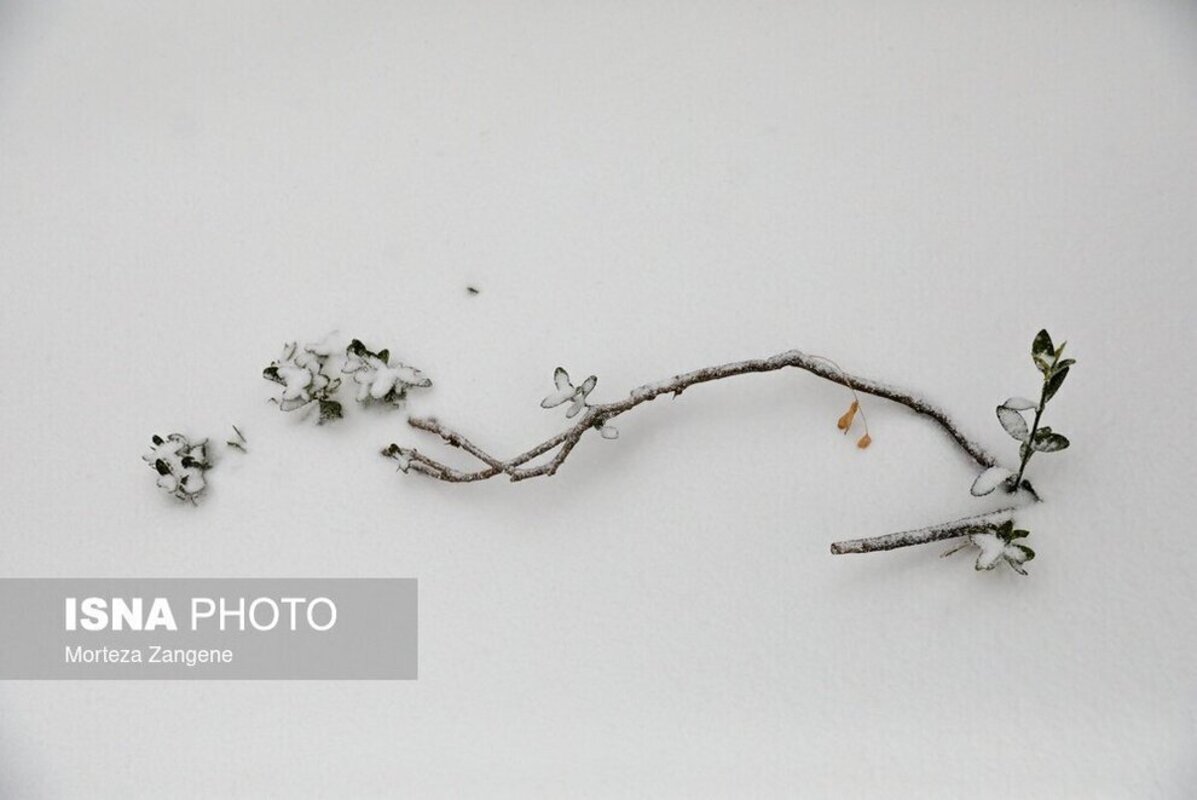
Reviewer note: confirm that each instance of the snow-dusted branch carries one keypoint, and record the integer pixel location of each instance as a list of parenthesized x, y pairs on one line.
[(596, 417), (981, 523), (993, 533)]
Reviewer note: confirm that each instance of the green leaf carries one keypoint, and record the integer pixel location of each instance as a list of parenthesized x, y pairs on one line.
[(1048, 442), (1019, 534), (1026, 551), (384, 355), (1065, 364), (329, 410), (1042, 351), (1006, 530), (1054, 383), (1013, 422)]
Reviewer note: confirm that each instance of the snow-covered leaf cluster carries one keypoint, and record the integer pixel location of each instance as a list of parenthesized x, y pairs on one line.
[(180, 465), (566, 392), (998, 546), (305, 379), (309, 375), (377, 379)]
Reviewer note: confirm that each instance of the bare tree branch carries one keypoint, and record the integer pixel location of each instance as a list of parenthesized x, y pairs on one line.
[(595, 416)]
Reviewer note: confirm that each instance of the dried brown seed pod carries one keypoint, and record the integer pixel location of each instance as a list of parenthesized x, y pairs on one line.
[(845, 421)]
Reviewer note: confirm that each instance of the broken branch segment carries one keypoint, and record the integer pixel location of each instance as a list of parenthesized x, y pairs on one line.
[(981, 523)]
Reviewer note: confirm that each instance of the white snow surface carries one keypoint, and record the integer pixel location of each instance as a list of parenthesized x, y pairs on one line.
[(914, 190)]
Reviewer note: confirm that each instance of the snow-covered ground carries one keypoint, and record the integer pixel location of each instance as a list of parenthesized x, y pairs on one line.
[(912, 189)]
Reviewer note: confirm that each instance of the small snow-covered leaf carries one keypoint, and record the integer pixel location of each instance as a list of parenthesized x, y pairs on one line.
[(402, 455), (989, 480), (1013, 422), (1054, 384), (1016, 555), (1024, 553), (384, 381), (295, 380), (565, 390), (561, 379), (1042, 351), (992, 548), (411, 376), (1019, 403), (329, 410), (609, 432), (556, 398), (578, 404), (588, 386), (995, 548), (1048, 442), (193, 481)]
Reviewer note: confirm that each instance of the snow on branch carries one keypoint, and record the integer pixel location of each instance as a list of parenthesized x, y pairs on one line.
[(981, 523), (598, 416)]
